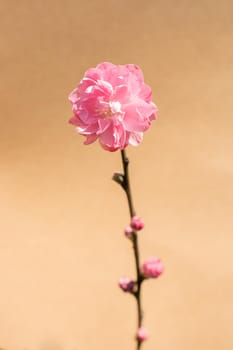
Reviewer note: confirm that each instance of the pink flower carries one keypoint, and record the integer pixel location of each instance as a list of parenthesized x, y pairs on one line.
[(142, 334), (126, 284), (113, 104), (137, 223), (152, 267)]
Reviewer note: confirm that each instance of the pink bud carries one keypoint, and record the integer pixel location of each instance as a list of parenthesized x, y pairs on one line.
[(128, 231), (152, 267), (142, 334), (137, 223), (126, 284)]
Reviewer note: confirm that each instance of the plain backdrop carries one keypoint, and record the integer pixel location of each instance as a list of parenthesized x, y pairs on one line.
[(62, 247)]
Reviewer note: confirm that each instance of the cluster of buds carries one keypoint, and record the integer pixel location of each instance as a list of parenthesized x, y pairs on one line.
[(151, 268), (136, 224)]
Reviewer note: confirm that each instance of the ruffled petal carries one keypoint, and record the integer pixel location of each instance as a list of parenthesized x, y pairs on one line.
[(88, 129), (135, 138), (103, 125), (137, 116), (113, 138), (73, 97), (74, 121), (145, 93), (105, 66), (136, 72), (90, 139), (121, 93)]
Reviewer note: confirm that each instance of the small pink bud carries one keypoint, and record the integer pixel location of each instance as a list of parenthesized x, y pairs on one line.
[(128, 231), (152, 267), (137, 223), (126, 284), (142, 334)]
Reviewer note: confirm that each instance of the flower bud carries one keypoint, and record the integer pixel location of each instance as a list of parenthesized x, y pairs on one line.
[(126, 284), (152, 267), (128, 231), (142, 334), (137, 223), (118, 177)]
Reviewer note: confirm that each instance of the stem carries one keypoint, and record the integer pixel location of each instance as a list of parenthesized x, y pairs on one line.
[(125, 162), (127, 189)]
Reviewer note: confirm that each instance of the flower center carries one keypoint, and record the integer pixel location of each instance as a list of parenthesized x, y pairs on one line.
[(115, 107), (112, 108)]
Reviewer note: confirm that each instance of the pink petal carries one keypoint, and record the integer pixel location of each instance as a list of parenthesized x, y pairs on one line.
[(73, 97), (94, 74), (88, 129), (85, 83), (74, 121), (113, 138), (145, 93), (103, 125), (136, 71), (90, 139), (105, 65), (135, 138), (137, 116), (121, 94)]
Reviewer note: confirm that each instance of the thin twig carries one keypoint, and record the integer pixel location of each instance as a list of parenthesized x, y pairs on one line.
[(127, 189)]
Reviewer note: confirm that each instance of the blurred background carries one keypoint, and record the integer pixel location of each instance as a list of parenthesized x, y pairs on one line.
[(62, 247)]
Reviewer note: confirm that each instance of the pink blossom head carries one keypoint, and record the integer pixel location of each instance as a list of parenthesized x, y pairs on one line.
[(114, 105), (137, 223), (142, 334), (126, 284), (152, 267)]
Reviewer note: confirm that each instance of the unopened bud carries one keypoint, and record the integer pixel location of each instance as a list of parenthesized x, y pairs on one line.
[(126, 284), (152, 267), (118, 177), (142, 334), (137, 223), (128, 231)]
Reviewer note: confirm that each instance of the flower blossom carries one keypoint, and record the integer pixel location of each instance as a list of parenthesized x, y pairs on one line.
[(114, 105), (152, 267)]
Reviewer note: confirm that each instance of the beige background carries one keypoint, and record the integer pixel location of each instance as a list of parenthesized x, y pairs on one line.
[(62, 249)]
